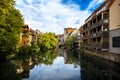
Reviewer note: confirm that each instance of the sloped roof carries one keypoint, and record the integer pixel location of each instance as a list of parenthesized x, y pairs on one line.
[(106, 3)]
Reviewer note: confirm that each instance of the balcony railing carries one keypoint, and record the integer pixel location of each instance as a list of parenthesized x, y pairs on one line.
[(99, 34), (83, 37), (94, 35), (105, 21), (84, 30), (98, 46), (96, 24), (103, 45), (92, 26)]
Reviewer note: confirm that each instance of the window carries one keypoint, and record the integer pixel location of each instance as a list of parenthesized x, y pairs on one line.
[(116, 41)]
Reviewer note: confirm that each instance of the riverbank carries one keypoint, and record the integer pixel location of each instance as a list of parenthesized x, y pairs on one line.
[(103, 54)]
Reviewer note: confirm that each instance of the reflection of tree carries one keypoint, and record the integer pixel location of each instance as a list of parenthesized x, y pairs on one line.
[(72, 56), (19, 66), (25, 62), (16, 68), (93, 68), (8, 71), (60, 52), (48, 57)]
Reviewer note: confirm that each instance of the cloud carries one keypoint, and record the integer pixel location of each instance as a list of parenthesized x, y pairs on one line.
[(94, 4), (52, 15), (57, 71)]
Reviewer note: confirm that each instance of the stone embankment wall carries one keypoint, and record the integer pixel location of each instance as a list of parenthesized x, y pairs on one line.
[(105, 55)]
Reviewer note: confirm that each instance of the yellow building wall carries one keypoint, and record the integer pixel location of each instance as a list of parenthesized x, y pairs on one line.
[(114, 15), (114, 25)]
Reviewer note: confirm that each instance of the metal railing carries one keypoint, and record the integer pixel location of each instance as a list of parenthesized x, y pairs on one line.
[(95, 45), (92, 26)]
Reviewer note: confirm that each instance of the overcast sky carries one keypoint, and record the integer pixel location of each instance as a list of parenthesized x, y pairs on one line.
[(55, 15)]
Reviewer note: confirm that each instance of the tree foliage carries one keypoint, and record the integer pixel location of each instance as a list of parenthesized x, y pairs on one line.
[(70, 41), (47, 41), (11, 22)]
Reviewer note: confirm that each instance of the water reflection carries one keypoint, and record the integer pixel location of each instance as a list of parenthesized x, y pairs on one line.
[(60, 65), (26, 63), (57, 71), (20, 66), (63, 68), (49, 65), (8, 71), (94, 68)]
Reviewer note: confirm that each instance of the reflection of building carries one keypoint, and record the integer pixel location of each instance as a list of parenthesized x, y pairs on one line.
[(95, 68), (104, 20), (71, 57), (66, 59), (60, 52), (24, 66)]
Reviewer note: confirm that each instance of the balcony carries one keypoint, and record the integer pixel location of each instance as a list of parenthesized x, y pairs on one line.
[(92, 26), (91, 46), (105, 33), (99, 34), (96, 24), (100, 46), (85, 30), (105, 21), (83, 37)]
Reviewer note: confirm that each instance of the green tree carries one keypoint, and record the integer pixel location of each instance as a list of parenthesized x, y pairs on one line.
[(47, 41), (70, 41), (11, 22)]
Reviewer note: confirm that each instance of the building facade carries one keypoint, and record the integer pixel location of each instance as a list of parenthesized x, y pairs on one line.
[(72, 32), (99, 27), (27, 36), (114, 27), (67, 31)]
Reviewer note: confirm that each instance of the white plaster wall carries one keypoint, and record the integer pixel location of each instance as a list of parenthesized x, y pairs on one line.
[(114, 33)]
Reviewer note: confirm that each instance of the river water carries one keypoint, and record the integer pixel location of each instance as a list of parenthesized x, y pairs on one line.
[(59, 65)]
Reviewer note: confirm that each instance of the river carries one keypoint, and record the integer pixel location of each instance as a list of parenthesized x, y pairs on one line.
[(59, 65)]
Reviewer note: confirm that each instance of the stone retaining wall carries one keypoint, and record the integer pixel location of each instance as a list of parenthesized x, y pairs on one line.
[(105, 55)]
